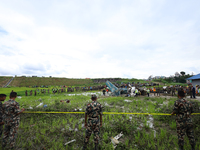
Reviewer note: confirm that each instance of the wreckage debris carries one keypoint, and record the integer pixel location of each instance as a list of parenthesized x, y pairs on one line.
[(115, 140), (70, 142)]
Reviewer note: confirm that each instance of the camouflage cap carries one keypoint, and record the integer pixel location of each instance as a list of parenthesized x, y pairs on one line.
[(93, 96)]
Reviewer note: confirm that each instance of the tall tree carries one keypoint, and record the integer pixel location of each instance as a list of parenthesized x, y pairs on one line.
[(182, 73)]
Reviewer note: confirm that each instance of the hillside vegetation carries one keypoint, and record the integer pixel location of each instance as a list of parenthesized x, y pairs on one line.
[(4, 80), (32, 81)]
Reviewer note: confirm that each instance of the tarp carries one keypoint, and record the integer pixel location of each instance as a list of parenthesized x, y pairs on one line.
[(194, 77)]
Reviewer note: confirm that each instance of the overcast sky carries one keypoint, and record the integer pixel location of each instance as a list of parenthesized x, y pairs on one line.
[(99, 38)]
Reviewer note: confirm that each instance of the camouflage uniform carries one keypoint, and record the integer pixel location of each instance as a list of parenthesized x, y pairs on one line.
[(93, 111), (11, 120), (183, 110)]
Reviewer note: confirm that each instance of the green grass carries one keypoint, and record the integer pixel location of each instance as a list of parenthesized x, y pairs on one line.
[(47, 130)]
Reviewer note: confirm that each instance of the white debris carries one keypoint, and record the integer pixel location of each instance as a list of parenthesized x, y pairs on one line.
[(75, 129), (19, 97), (63, 129), (30, 107), (118, 136), (39, 105), (115, 140), (70, 142), (127, 100)]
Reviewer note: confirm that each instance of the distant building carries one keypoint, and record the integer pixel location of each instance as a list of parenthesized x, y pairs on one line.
[(195, 80)]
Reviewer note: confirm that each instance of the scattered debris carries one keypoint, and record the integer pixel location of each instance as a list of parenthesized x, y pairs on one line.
[(19, 97), (127, 100), (115, 140), (30, 107), (39, 105), (75, 129), (70, 142)]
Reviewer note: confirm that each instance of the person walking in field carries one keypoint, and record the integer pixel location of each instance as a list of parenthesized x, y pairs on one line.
[(11, 119), (26, 93), (35, 93), (183, 110), (93, 111), (2, 98)]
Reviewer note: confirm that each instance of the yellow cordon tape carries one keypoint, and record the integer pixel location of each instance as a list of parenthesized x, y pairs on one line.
[(103, 113)]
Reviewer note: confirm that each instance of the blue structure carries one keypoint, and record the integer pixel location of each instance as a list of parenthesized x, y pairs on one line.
[(195, 80), (116, 91)]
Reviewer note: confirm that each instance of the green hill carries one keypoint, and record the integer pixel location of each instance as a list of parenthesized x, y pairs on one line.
[(32, 81), (4, 80)]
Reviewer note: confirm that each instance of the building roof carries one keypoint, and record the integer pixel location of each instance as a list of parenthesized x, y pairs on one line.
[(194, 77)]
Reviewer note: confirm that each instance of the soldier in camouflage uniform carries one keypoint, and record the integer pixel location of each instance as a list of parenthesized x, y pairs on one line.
[(2, 98), (93, 111), (158, 91), (183, 110), (11, 119)]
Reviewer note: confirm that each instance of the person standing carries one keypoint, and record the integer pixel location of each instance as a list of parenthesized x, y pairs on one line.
[(193, 92), (31, 93), (11, 119), (93, 111), (173, 91), (35, 93), (183, 110), (190, 90), (2, 98), (104, 91), (158, 91), (154, 90), (148, 91), (26, 93)]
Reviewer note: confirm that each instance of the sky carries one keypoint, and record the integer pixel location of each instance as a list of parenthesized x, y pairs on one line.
[(99, 38)]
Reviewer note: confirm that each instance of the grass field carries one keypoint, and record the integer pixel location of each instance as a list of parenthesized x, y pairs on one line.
[(52, 131)]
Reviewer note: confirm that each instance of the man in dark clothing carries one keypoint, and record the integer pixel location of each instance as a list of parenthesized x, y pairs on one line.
[(193, 92), (158, 91), (26, 93), (31, 93), (35, 93), (104, 91), (2, 98), (93, 111), (190, 90), (183, 110)]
